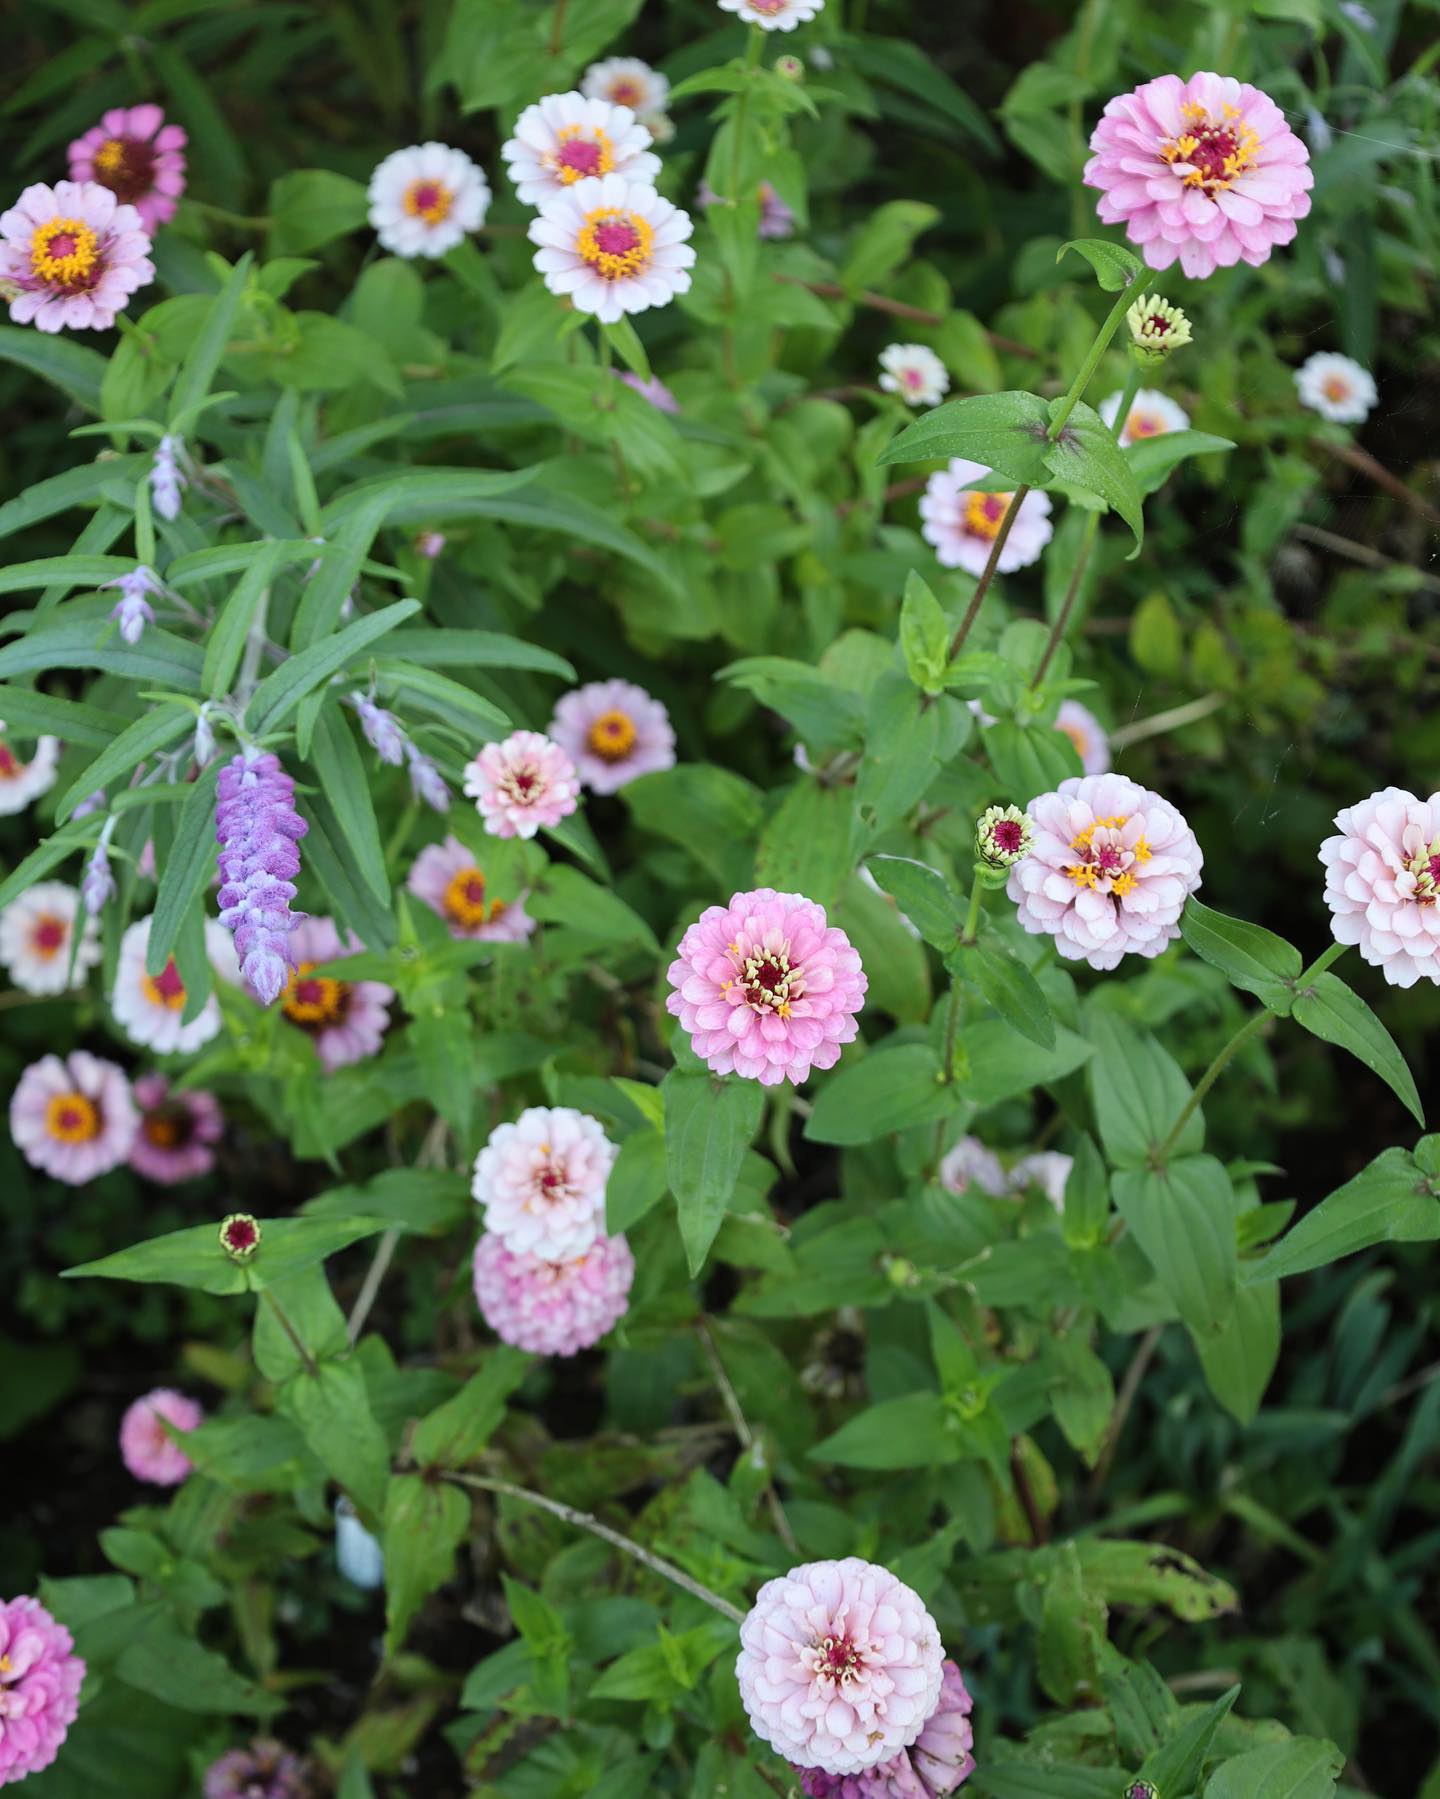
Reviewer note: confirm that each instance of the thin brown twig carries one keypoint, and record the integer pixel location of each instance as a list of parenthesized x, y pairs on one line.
[(1124, 1399), (1376, 471), (741, 1425), (1363, 554), (900, 309)]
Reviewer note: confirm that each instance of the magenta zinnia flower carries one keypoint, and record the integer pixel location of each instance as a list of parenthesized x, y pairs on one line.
[(73, 1118), (1109, 871), (522, 783), (449, 879), (75, 255), (140, 158), (257, 828), (542, 1182), (346, 1020), (40, 1677), (176, 1131), (839, 1665), (1205, 169), (148, 1451), (1382, 883), (266, 1770), (553, 1308), (938, 1761), (766, 988), (613, 731)]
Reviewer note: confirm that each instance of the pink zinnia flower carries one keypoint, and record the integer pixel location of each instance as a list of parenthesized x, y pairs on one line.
[(75, 254), (938, 1761), (962, 522), (40, 1677), (839, 1665), (613, 731), (970, 1164), (176, 1132), (1109, 871), (447, 877), (542, 1182), (140, 158), (522, 783), (553, 1308), (1087, 734), (148, 1451), (766, 988), (345, 1019), (1382, 883), (73, 1118), (1204, 169)]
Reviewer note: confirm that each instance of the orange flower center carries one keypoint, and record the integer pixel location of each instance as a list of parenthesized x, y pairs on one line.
[(625, 92), (71, 1118), (314, 1002), (1337, 388), (984, 513), (612, 736), (10, 764), (464, 900), (429, 200), (165, 989), (1145, 424)]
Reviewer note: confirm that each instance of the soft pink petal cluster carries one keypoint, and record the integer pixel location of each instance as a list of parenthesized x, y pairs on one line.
[(961, 521), (613, 731), (1086, 732), (1109, 871), (840, 1665), (73, 1117), (970, 1164), (1047, 1169), (72, 255), (40, 1678), (766, 987), (1206, 170), (612, 245), (140, 158), (146, 1447), (563, 138), (346, 1020), (542, 1182), (177, 1131), (936, 1763), (264, 1770), (522, 783), (450, 881), (553, 1308), (1382, 883)]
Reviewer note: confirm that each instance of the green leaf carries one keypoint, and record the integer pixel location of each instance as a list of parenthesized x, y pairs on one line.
[(1183, 1218), (564, 896), (91, 644), (194, 1258), (909, 1432), (1087, 456), (477, 649), (76, 487), (71, 571), (427, 1201), (425, 1524), (883, 1091), (226, 642), (1390, 1201), (1149, 1574), (45, 856), (1139, 1092), (155, 731), (925, 897), (1047, 1780), (28, 712), (899, 63), (197, 372), (311, 207), (1336, 1014), (327, 590), (996, 1063), (188, 868), (1152, 458), (73, 368), (1249, 956), (709, 1125), (457, 1431), (1175, 1767), (166, 1663), (884, 241), (1082, 1394), (330, 858), (1087, 1197), (1115, 268), (332, 1409), (281, 691), (924, 635), (807, 844), (1030, 759), (445, 699), (1012, 990), (1003, 432), (638, 1180), (1299, 1768), (1239, 1361), (336, 760)]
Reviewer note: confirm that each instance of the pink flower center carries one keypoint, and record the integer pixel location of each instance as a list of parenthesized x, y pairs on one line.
[(625, 92), (769, 9), (1106, 863), (984, 513), (581, 155), (1424, 864), (126, 165), (1209, 153), (166, 988), (10, 765), (1144, 424), (911, 377), (616, 237), (431, 201), (48, 937), (241, 1234), (836, 1658), (766, 980), (1009, 835)]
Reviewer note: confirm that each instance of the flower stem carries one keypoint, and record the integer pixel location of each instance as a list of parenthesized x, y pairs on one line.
[(982, 586), (283, 1319), (1092, 356), (741, 1426), (254, 651), (1062, 618), (585, 1521), (753, 46)]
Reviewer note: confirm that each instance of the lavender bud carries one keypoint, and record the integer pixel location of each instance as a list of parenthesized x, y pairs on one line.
[(382, 730), (98, 887), (93, 802), (257, 828), (166, 480), (132, 610), (426, 780), (204, 736)]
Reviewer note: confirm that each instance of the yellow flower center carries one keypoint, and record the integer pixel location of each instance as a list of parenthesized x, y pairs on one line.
[(616, 242), (1145, 424), (1106, 863), (71, 1118), (1078, 737), (464, 900), (314, 1002), (612, 736), (984, 513), (1337, 388), (1211, 153), (429, 200), (582, 150), (110, 157), (165, 989), (65, 251)]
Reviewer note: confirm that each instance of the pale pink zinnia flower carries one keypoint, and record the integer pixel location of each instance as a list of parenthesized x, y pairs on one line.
[(970, 1164), (522, 783), (146, 1447), (74, 254), (1109, 871), (1086, 732), (150, 1009), (73, 1117), (542, 1182), (962, 522), (177, 1131), (1205, 169), (563, 138), (611, 245), (1047, 1169), (766, 988), (1382, 883), (37, 939), (839, 1665), (40, 1679), (447, 877), (774, 15), (1337, 388), (1151, 414), (936, 1763), (613, 731), (553, 1308), (21, 781), (345, 1020), (140, 158)]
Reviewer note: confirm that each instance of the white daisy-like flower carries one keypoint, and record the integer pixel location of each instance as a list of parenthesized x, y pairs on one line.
[(613, 246), (150, 1008), (626, 81), (915, 373), (774, 15), (1337, 388), (1151, 415), (20, 781), (424, 200), (565, 138), (36, 934)]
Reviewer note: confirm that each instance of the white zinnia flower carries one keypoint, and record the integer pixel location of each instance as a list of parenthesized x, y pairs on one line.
[(626, 81), (564, 138), (774, 15), (150, 1008), (915, 373), (36, 933), (613, 245), (1335, 387), (21, 782), (425, 199), (962, 521), (1151, 414)]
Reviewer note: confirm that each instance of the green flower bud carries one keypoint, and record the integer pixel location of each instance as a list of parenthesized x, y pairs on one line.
[(1157, 329), (1003, 835)]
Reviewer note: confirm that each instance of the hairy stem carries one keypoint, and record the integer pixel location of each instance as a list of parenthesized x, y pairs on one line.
[(987, 574), (741, 1427), (1092, 357), (1067, 605)]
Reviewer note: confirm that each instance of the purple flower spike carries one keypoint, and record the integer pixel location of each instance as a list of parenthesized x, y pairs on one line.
[(98, 887), (381, 728), (133, 610), (426, 781), (166, 479), (257, 828)]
